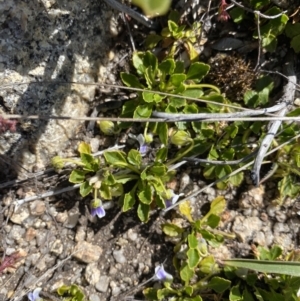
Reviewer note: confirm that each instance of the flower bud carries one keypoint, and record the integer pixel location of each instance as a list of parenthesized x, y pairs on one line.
[(107, 127), (180, 138)]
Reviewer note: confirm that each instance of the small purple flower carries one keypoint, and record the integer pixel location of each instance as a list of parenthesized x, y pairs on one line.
[(142, 142), (161, 274), (173, 199), (34, 296), (97, 208)]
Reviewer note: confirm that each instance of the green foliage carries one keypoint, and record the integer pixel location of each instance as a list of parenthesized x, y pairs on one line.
[(71, 293), (175, 35), (269, 28), (153, 8)]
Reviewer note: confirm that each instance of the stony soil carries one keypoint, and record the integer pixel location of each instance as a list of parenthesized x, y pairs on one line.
[(59, 242)]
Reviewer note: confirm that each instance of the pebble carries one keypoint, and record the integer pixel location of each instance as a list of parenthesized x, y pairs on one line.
[(245, 227), (119, 256), (37, 208), (87, 252), (61, 217), (92, 273), (102, 284), (57, 247), (20, 215), (94, 297), (132, 235), (80, 233)]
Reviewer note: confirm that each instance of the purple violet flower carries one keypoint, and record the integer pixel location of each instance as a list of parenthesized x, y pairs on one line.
[(97, 208), (161, 274), (173, 199), (34, 296)]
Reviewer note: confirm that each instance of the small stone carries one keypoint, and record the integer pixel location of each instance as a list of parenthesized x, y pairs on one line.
[(61, 217), (20, 215), (94, 143), (37, 208), (16, 233), (30, 234), (80, 234), (94, 297), (102, 284), (57, 247), (119, 256), (87, 252), (92, 273), (245, 227), (132, 235), (72, 220)]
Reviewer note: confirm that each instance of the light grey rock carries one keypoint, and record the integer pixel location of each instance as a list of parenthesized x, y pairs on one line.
[(61, 217), (119, 256), (37, 208), (17, 233), (87, 252), (20, 215), (94, 297), (80, 233), (57, 247), (102, 284), (92, 273), (245, 227), (132, 235)]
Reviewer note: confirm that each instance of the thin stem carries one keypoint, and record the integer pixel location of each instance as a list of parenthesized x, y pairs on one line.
[(188, 149)]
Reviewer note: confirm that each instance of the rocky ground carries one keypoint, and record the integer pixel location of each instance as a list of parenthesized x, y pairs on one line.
[(44, 43)]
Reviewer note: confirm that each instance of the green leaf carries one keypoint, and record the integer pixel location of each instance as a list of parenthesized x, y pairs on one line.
[(172, 230), (237, 14), (84, 148), (208, 265), (162, 129), (90, 163), (292, 30), (236, 179), (105, 192), (85, 189), (258, 4), (197, 71), (266, 266), (193, 241), (143, 111), (219, 285), (179, 67), (115, 158), (270, 42), (145, 195), (150, 60), (287, 187), (235, 294), (134, 157), (185, 210), (295, 43), (158, 169), (129, 200), (213, 221), (77, 176), (131, 80), (162, 154), (177, 79), (152, 40), (222, 170), (150, 293), (193, 258), (177, 102), (167, 66), (143, 212), (152, 97), (186, 273)]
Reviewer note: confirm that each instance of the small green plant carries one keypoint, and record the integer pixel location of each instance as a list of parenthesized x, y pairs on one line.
[(197, 270), (71, 293), (269, 28), (175, 35)]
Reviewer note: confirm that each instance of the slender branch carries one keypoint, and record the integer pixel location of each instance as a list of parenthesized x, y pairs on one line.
[(286, 100), (164, 211), (132, 13), (257, 12)]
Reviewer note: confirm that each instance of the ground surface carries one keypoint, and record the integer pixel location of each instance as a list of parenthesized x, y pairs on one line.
[(81, 41)]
